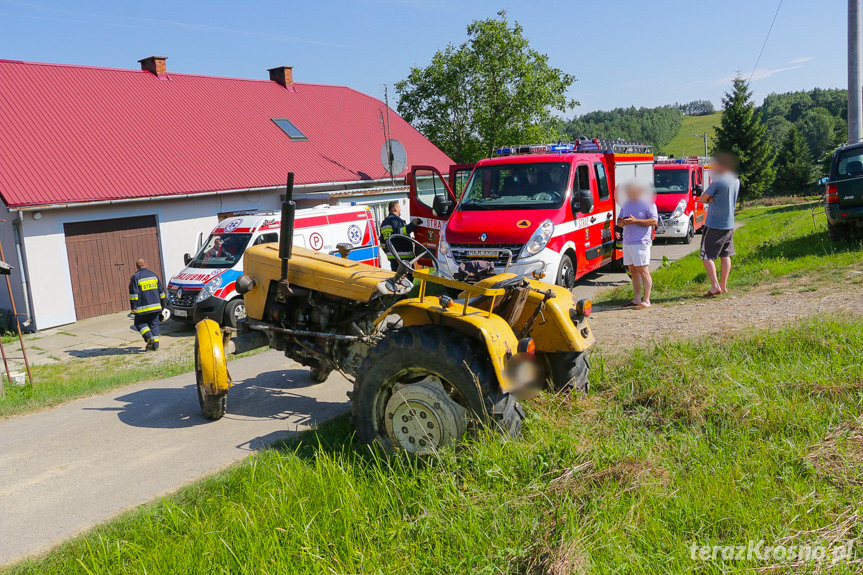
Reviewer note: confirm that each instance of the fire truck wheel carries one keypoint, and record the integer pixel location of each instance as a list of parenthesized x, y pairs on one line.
[(690, 233), (235, 312), (422, 387), (566, 273), (568, 371)]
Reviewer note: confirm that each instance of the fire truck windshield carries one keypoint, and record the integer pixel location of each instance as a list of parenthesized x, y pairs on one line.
[(535, 186), (671, 181)]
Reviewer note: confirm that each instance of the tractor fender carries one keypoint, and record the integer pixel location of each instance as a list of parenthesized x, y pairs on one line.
[(211, 364), (490, 330)]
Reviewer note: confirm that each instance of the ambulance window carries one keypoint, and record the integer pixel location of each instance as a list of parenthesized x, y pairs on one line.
[(428, 184), (601, 181), (267, 238), (583, 177)]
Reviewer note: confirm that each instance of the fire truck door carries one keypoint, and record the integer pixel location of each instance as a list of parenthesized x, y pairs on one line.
[(601, 248), (426, 183)]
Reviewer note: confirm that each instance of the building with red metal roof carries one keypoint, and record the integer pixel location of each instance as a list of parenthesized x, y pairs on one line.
[(88, 153)]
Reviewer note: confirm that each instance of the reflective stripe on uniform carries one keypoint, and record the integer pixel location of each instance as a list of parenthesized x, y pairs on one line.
[(149, 308), (148, 284), (144, 330), (133, 297)]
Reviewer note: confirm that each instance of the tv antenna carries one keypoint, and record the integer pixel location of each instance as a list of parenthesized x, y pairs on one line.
[(394, 156)]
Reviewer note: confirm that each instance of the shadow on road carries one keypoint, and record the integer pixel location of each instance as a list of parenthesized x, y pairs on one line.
[(105, 351), (266, 396)]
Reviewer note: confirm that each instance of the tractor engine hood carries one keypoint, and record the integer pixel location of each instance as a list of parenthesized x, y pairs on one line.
[(499, 226)]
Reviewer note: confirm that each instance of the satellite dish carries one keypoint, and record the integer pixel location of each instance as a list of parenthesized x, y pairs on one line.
[(394, 157)]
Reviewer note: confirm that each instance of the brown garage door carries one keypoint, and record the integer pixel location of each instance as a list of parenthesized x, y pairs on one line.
[(102, 256)]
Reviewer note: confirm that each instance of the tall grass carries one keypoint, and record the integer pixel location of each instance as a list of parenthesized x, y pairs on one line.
[(707, 442)]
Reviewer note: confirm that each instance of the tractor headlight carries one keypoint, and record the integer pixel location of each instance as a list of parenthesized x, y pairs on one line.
[(442, 246), (539, 239), (678, 211), (209, 289)]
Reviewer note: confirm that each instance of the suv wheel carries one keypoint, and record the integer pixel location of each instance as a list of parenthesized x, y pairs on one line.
[(838, 232)]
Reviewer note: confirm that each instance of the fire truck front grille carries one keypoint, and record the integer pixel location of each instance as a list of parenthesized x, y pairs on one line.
[(496, 254), (182, 297)]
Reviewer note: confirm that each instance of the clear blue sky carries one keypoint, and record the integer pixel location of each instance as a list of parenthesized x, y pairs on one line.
[(623, 52)]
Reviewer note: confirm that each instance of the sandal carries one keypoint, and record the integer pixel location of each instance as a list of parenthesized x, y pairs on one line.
[(642, 306), (629, 304), (712, 294)]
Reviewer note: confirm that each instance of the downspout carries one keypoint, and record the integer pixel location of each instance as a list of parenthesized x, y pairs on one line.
[(25, 289)]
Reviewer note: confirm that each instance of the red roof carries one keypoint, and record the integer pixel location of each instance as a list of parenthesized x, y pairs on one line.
[(79, 133)]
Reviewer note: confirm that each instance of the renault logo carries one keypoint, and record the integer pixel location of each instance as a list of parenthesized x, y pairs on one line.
[(483, 237)]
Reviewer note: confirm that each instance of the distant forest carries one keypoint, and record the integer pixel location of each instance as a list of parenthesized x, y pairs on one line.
[(656, 126), (819, 115)]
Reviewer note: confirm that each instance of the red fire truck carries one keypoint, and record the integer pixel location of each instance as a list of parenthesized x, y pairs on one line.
[(679, 184), (542, 210)]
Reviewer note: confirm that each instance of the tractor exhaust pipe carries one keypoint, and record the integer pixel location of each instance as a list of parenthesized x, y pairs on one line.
[(286, 236)]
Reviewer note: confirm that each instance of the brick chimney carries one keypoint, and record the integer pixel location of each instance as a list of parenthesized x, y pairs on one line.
[(283, 75), (154, 65)]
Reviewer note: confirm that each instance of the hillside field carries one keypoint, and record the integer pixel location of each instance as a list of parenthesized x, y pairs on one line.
[(685, 143)]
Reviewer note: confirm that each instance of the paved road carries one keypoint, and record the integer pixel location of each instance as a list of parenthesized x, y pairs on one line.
[(593, 283), (69, 468)]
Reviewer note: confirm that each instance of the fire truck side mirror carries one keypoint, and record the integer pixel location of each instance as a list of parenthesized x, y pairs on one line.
[(582, 201), (698, 189), (442, 205)]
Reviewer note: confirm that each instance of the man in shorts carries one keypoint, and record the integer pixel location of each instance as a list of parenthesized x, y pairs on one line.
[(717, 241), (638, 216)]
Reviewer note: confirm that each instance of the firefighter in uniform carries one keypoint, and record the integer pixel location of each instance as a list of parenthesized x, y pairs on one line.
[(147, 299), (394, 224)]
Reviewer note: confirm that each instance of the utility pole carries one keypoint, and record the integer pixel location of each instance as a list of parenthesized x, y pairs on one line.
[(855, 72), (704, 135)]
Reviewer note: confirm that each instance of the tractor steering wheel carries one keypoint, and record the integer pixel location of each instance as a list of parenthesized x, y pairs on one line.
[(406, 267)]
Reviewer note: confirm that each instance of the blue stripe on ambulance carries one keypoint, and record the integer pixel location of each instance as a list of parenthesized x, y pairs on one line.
[(360, 254)]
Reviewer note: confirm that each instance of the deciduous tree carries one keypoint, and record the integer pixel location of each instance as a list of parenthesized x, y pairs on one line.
[(492, 90)]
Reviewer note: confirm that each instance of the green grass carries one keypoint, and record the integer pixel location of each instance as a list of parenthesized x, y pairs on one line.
[(60, 382), (56, 383), (714, 443), (685, 144), (774, 243)]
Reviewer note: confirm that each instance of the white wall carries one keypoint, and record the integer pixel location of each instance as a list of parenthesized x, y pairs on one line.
[(180, 221)]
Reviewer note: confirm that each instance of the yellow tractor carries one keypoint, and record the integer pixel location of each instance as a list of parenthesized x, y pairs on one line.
[(426, 369)]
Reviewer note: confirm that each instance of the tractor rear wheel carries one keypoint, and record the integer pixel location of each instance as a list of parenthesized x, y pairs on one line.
[(212, 406), (421, 388), (568, 371)]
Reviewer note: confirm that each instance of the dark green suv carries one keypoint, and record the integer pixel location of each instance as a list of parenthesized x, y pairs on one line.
[(844, 197)]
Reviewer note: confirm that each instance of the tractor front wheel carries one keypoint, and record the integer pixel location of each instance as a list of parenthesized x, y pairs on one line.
[(212, 406), (568, 371), (422, 388)]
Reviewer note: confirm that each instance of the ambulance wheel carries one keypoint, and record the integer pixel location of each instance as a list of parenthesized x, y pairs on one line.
[(422, 388), (566, 273), (568, 371), (235, 312), (690, 233)]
